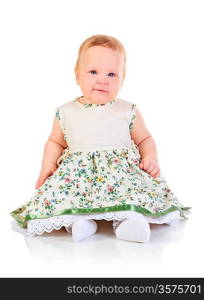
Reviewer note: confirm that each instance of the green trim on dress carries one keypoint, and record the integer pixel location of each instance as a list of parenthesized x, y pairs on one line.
[(22, 221)]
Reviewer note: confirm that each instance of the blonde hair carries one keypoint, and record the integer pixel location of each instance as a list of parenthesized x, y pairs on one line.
[(104, 41)]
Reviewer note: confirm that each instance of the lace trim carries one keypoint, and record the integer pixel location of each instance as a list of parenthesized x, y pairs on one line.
[(133, 110), (60, 117), (39, 226), (87, 105)]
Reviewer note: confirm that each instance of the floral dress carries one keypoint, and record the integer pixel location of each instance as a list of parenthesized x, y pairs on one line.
[(98, 174)]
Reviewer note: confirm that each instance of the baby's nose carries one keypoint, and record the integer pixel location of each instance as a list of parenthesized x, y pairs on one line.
[(102, 80)]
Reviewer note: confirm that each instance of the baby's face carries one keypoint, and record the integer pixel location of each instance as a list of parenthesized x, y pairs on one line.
[(100, 74)]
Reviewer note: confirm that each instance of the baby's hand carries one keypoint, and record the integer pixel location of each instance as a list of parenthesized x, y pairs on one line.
[(44, 174), (151, 166)]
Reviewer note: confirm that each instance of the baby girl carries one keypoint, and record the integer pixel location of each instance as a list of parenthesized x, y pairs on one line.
[(100, 160)]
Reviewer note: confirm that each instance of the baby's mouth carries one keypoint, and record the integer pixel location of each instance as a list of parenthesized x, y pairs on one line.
[(100, 90)]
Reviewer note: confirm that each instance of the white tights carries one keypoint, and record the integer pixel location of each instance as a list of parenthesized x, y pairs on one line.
[(82, 229), (134, 228)]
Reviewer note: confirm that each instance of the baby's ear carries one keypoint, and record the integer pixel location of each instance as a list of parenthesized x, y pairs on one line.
[(123, 78), (77, 77), (122, 83)]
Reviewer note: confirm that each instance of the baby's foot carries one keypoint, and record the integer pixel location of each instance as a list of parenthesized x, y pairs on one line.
[(135, 229), (82, 229), (173, 217)]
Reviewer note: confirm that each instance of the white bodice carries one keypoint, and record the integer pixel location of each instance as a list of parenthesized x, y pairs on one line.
[(96, 127)]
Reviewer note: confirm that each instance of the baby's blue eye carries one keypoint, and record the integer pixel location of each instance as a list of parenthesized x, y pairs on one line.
[(112, 74), (92, 72)]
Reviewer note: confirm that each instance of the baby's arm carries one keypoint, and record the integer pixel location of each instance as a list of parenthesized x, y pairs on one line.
[(54, 145), (146, 144), (52, 151)]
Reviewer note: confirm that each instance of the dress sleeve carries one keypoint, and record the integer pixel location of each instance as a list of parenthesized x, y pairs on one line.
[(133, 116), (60, 117)]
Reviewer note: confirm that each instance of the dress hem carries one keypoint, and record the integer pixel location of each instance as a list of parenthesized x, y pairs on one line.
[(22, 221), (40, 226)]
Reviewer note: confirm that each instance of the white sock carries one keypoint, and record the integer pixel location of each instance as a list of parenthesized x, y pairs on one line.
[(173, 218), (82, 229), (135, 229)]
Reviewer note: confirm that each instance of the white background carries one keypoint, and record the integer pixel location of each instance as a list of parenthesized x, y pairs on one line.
[(165, 75)]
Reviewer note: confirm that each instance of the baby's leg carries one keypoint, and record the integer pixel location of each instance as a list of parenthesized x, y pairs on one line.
[(82, 229), (134, 228)]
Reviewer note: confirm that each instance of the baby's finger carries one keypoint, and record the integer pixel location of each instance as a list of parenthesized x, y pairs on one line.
[(41, 181), (37, 182), (37, 185), (146, 165), (151, 168), (155, 173)]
